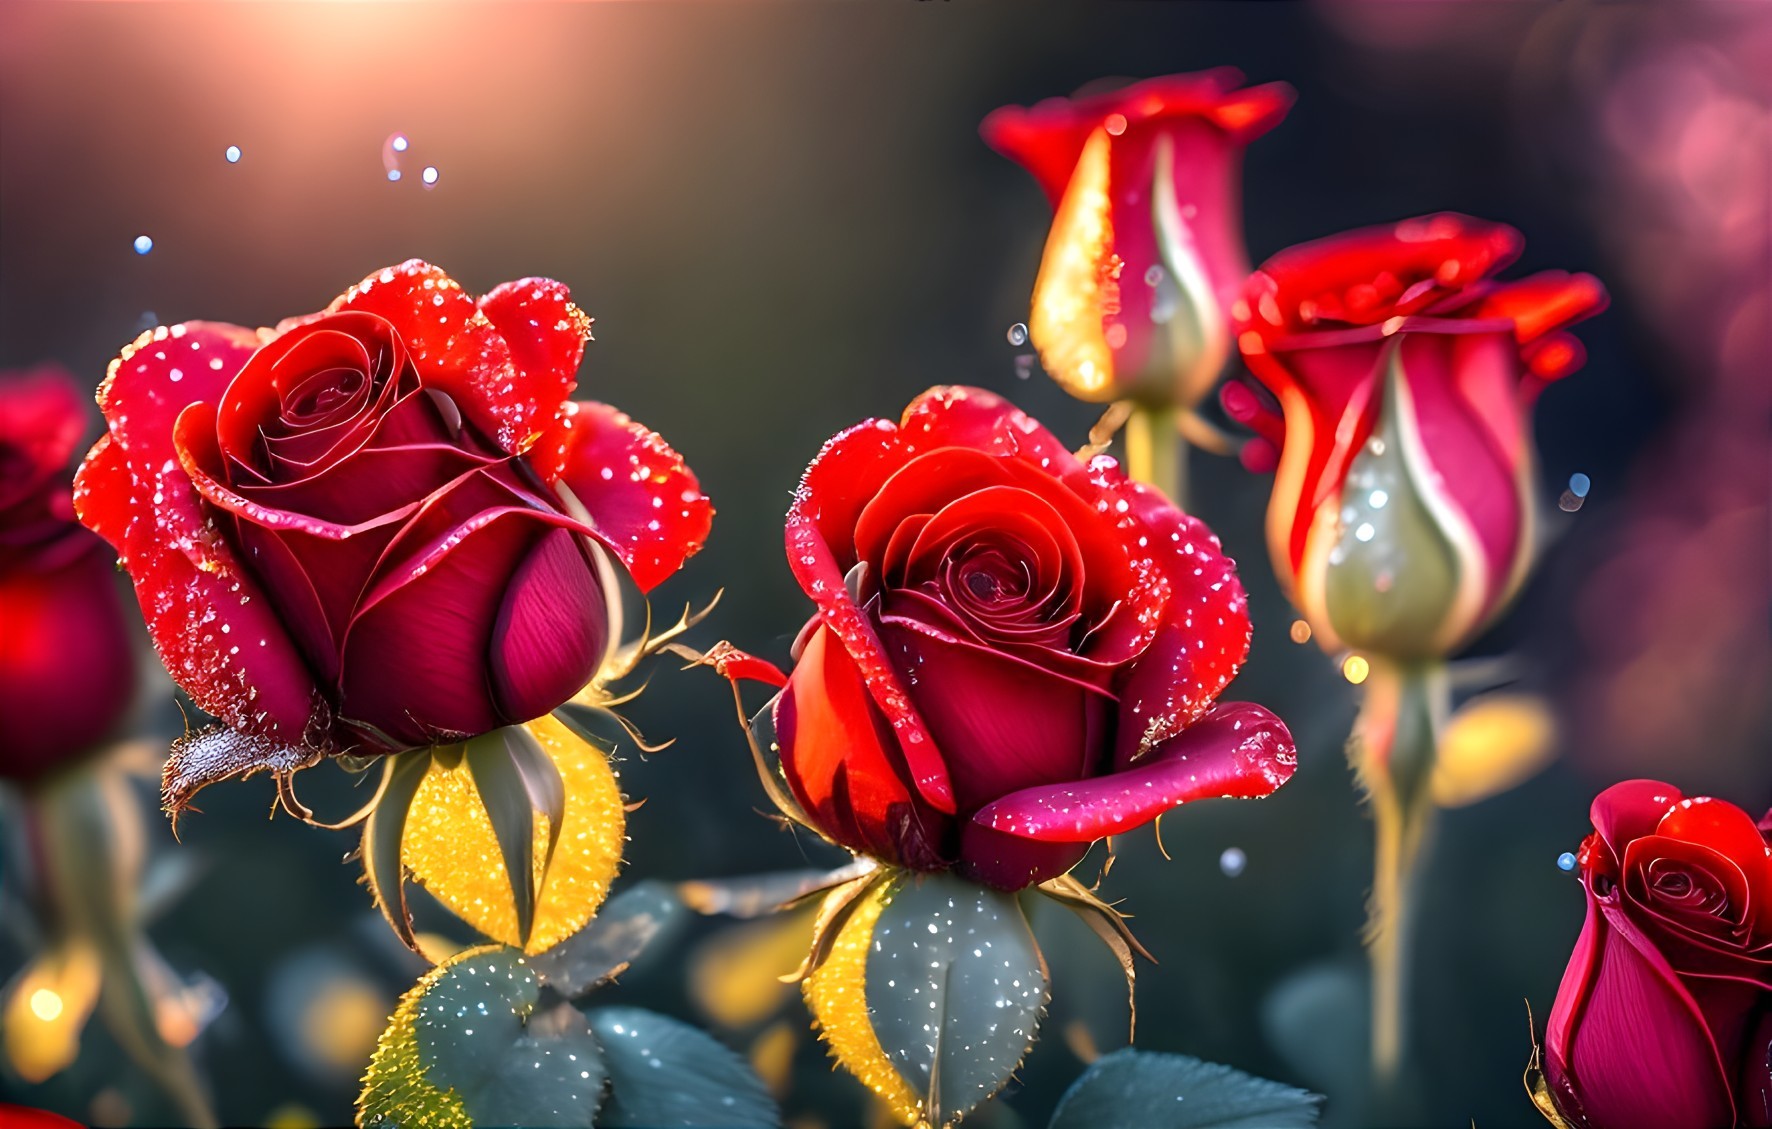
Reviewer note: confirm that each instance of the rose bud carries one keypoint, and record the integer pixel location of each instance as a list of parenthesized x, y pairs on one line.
[(379, 526), (67, 668), (1015, 653), (1146, 249), (1397, 380), (1664, 1017)]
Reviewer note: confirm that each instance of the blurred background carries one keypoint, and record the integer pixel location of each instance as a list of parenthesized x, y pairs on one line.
[(783, 221)]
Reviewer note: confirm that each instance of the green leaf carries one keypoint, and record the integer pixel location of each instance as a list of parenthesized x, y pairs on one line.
[(505, 791), (665, 1074), (382, 833), (1145, 1090), (611, 941), (955, 988), (479, 1042)]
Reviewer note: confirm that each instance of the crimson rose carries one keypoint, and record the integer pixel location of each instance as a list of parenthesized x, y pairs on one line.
[(1015, 652), (377, 527), (1664, 1017), (66, 664)]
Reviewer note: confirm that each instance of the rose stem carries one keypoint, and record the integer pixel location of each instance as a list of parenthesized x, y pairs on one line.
[(1156, 453), (1393, 749)]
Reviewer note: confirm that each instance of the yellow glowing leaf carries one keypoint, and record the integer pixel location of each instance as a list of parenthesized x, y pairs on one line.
[(837, 995), (1078, 284), (735, 975), (1492, 744), (450, 847), (46, 1008), (396, 1091)]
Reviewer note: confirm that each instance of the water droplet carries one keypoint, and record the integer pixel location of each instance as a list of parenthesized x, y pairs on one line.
[(398, 143), (429, 176), (1579, 485), (1300, 631), (143, 244), (233, 154), (1154, 276), (1232, 861), (1018, 334), (393, 174), (1566, 861), (1355, 669)]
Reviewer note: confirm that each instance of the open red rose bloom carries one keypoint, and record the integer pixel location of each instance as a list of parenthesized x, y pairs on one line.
[(378, 526), (1664, 1017), (1015, 653), (1324, 326)]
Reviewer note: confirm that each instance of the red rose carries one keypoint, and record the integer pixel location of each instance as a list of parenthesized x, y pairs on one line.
[(373, 527), (1146, 250), (1015, 653), (1401, 516), (67, 670), (1664, 1017)]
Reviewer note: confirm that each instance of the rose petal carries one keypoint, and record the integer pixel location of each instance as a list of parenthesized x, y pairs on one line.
[(455, 349), (1631, 809), (42, 417), (1047, 138), (1540, 303), (414, 660), (1003, 724), (1010, 862), (552, 630), (220, 639), (821, 549), (1638, 1053), (843, 763), (1237, 751), (642, 498), (67, 667), (1205, 635), (546, 333)]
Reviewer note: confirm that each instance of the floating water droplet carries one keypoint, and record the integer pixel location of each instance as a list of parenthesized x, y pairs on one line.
[(393, 174), (1576, 494), (1155, 275), (398, 143), (429, 176), (1018, 334), (233, 154), (1566, 861), (143, 244), (1232, 861)]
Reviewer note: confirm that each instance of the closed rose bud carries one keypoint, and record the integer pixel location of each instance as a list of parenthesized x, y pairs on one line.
[(378, 527), (1396, 384), (67, 668), (1145, 254), (1015, 652), (1664, 1017)]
